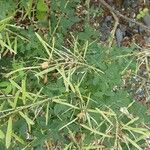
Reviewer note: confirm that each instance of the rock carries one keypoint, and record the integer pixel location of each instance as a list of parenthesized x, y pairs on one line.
[(108, 19), (146, 19), (105, 26), (119, 36), (140, 92), (126, 4)]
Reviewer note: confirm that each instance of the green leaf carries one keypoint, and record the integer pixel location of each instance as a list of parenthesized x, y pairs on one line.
[(1, 134), (6, 87), (40, 15), (59, 109), (6, 20), (4, 84), (41, 6), (9, 133), (145, 10)]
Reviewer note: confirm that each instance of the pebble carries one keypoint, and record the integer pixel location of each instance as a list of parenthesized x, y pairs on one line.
[(119, 36), (140, 92), (108, 19), (146, 19), (105, 28)]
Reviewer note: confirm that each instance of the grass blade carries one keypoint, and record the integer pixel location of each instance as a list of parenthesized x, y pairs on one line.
[(7, 46), (47, 112), (104, 116), (44, 44), (95, 131), (18, 139), (9, 133), (28, 120), (133, 143), (24, 91), (16, 99)]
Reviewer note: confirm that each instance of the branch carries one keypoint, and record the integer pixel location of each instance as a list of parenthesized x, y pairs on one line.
[(122, 16)]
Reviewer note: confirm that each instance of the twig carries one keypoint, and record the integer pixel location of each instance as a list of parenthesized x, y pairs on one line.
[(114, 29), (122, 16), (116, 21)]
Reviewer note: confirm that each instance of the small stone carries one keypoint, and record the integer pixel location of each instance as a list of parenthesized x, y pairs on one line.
[(119, 36), (108, 18), (146, 19)]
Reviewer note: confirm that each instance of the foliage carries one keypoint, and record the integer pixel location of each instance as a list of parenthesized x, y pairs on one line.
[(142, 13), (68, 96)]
